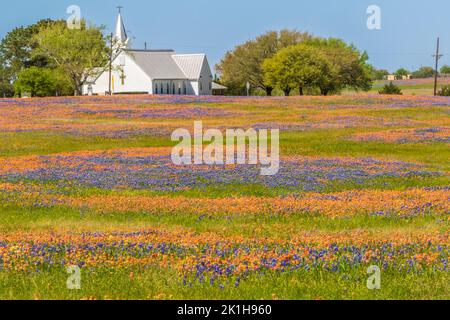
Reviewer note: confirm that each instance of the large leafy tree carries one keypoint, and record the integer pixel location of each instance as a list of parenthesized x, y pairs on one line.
[(15, 54), (298, 66), (76, 52), (17, 46), (245, 63), (348, 66)]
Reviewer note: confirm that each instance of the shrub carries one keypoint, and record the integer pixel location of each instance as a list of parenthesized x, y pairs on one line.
[(42, 82), (445, 91), (390, 88)]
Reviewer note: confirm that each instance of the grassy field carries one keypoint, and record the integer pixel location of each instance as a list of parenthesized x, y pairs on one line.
[(414, 86), (88, 182)]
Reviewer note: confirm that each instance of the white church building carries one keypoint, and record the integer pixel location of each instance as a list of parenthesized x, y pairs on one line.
[(151, 71)]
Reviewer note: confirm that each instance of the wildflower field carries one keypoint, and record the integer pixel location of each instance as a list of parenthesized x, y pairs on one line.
[(88, 182)]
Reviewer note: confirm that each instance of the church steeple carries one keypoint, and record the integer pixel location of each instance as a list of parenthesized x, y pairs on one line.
[(121, 34)]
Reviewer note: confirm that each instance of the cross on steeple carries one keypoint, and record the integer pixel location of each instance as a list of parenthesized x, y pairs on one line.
[(120, 9)]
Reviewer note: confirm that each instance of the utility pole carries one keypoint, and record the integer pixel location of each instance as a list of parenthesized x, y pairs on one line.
[(110, 65), (437, 56)]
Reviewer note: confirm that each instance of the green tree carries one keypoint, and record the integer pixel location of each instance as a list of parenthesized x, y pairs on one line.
[(378, 74), (6, 89), (423, 72), (17, 46), (298, 66), (244, 63), (401, 72), (76, 52), (445, 69), (348, 66), (37, 82), (42, 82), (16, 54)]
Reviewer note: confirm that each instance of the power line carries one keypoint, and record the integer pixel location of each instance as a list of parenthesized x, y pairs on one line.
[(437, 56), (110, 65)]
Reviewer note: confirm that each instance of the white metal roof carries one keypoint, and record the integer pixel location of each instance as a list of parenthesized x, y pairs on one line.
[(157, 64), (216, 86), (190, 64)]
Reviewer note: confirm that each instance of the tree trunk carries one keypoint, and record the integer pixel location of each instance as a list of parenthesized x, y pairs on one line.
[(269, 91), (77, 84), (300, 89), (287, 91), (78, 89), (324, 92)]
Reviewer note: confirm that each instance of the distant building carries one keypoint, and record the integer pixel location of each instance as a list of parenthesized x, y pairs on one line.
[(218, 89), (151, 71), (391, 77)]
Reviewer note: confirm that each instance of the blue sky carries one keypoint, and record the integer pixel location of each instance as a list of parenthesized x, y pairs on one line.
[(407, 38)]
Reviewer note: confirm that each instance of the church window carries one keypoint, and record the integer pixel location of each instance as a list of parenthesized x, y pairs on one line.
[(156, 88), (173, 88), (168, 88)]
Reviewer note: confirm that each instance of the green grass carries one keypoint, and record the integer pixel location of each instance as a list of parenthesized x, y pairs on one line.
[(16, 218), (329, 143), (155, 283), (45, 143)]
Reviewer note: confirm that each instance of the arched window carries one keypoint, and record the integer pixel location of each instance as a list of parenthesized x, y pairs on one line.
[(201, 86), (156, 88), (184, 88), (168, 88), (173, 88)]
